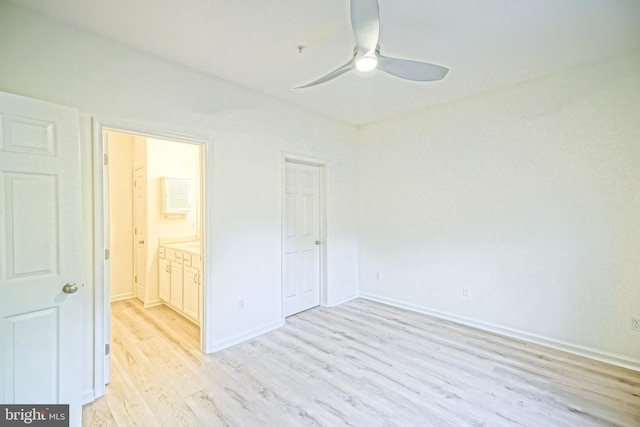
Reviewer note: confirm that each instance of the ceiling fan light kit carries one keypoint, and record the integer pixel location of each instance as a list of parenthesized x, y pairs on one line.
[(365, 22), (366, 63)]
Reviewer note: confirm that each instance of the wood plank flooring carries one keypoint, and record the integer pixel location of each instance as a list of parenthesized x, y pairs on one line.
[(358, 364)]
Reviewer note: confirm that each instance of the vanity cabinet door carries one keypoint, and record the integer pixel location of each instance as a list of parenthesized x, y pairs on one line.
[(164, 279), (191, 306), (176, 285)]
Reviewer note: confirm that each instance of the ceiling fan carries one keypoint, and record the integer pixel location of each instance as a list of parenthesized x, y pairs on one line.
[(365, 21)]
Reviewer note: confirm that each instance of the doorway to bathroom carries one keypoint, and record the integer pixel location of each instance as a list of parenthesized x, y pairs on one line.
[(153, 191)]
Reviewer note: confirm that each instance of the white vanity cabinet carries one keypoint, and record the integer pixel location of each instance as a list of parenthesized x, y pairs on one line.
[(179, 279)]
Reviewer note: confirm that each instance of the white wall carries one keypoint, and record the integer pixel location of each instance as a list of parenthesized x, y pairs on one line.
[(248, 133), (121, 215), (530, 196)]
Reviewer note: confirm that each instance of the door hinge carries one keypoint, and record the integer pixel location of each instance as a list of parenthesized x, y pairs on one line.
[(107, 254), (135, 279), (106, 159), (107, 349)]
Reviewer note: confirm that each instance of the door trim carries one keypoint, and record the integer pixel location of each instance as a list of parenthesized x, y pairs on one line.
[(102, 311), (136, 273), (321, 164)]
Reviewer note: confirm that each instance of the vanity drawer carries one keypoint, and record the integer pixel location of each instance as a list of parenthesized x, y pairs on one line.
[(161, 252), (195, 261), (170, 254), (186, 259), (178, 256)]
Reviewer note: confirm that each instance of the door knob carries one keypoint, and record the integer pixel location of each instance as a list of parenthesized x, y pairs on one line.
[(70, 288), (318, 242), (141, 242)]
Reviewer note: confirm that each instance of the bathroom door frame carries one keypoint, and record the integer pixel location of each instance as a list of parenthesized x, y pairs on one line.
[(102, 303)]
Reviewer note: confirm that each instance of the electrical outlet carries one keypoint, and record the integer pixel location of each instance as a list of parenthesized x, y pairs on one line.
[(635, 323), (466, 292)]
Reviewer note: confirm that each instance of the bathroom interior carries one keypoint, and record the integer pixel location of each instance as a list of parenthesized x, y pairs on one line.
[(155, 219)]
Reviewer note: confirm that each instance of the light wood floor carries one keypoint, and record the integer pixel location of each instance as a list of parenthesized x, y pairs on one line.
[(359, 364)]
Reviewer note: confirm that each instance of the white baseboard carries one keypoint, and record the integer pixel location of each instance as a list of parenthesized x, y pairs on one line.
[(152, 303), (244, 337), (613, 359), (265, 329), (121, 297), (342, 300), (88, 396)]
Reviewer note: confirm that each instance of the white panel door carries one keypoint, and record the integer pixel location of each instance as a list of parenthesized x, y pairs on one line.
[(140, 230), (301, 228), (40, 252)]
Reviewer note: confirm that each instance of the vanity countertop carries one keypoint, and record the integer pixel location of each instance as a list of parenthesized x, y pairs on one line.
[(192, 247)]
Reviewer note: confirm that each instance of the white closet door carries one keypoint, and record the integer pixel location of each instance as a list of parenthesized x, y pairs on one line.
[(301, 230)]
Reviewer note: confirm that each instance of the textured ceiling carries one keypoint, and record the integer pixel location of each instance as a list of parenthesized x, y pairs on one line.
[(486, 44)]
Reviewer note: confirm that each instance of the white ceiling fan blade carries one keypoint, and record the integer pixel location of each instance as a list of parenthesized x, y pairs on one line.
[(365, 21), (332, 75), (411, 70)]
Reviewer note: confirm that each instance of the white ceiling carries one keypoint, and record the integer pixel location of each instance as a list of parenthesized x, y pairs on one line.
[(486, 44)]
